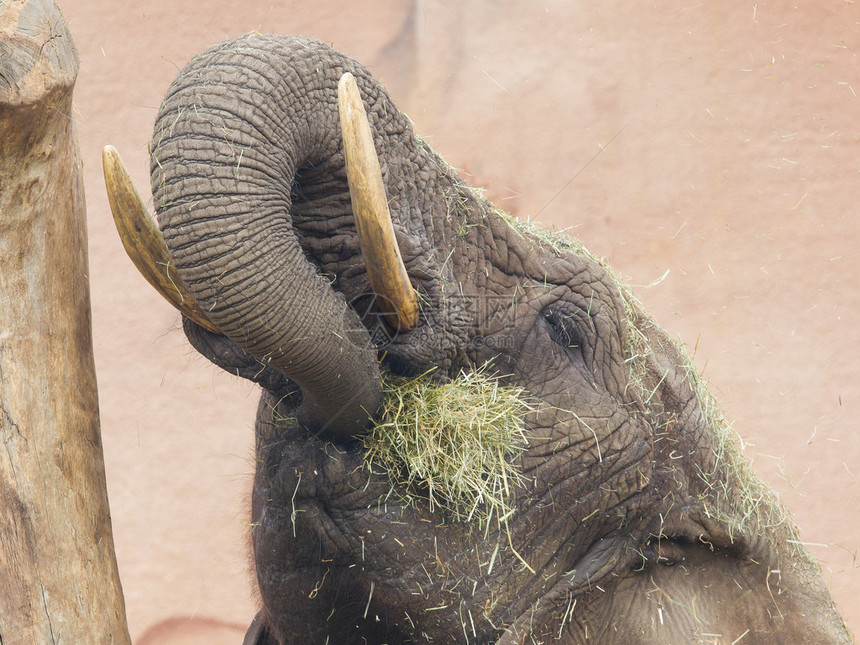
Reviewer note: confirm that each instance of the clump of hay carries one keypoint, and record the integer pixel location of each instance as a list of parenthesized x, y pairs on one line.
[(454, 444)]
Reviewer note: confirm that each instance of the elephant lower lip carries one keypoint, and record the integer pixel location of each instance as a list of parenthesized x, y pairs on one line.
[(601, 559), (287, 420), (285, 413)]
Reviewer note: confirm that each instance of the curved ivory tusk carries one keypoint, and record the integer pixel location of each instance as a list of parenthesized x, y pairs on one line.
[(382, 258), (143, 241)]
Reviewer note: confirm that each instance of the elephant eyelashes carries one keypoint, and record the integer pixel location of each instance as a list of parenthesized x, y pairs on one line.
[(564, 330)]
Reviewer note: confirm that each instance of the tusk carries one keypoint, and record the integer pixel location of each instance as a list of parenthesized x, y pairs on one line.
[(143, 241), (382, 258)]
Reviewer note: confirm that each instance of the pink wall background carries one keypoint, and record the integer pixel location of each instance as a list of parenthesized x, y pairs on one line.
[(733, 172)]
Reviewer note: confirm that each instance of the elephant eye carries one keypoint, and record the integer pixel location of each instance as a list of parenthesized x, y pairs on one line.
[(564, 329)]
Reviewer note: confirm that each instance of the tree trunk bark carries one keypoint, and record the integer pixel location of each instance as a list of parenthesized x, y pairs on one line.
[(58, 574)]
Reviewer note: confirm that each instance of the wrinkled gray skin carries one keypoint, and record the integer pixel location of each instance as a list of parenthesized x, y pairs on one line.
[(249, 184)]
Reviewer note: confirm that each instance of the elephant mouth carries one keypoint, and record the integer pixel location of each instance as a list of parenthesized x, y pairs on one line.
[(451, 445)]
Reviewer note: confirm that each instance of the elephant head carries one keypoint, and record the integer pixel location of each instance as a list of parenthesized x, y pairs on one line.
[(636, 521)]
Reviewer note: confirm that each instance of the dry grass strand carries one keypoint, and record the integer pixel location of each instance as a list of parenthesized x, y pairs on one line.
[(452, 443)]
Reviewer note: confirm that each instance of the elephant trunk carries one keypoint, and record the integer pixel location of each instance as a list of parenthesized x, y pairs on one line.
[(229, 159)]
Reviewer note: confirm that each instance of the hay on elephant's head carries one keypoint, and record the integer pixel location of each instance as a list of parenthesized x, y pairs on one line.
[(733, 494), (453, 444)]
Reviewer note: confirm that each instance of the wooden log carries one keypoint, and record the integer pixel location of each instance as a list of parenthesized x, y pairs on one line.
[(58, 573)]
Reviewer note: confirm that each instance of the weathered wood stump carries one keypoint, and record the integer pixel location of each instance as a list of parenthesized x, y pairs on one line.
[(58, 572)]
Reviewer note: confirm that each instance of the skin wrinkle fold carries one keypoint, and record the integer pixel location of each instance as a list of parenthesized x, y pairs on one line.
[(606, 332), (268, 86), (558, 558)]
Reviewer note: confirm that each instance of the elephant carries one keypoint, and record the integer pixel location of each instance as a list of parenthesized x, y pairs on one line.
[(636, 519)]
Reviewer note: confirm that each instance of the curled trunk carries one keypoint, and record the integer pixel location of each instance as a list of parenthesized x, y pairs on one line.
[(240, 166)]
